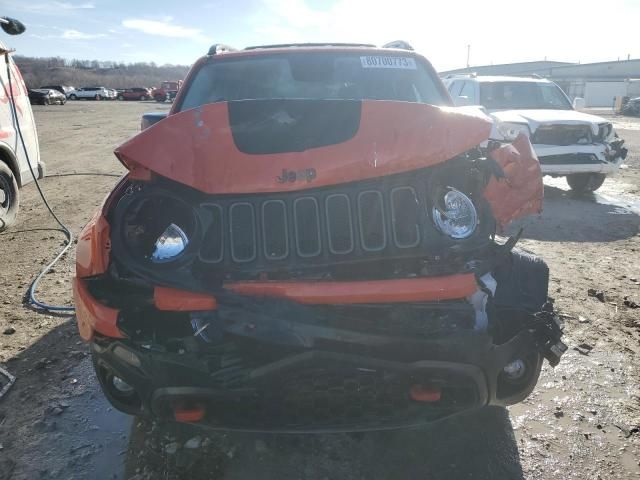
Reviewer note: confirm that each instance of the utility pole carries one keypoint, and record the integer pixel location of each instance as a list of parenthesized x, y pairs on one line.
[(468, 55)]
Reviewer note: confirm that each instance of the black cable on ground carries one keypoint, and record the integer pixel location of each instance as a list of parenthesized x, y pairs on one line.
[(63, 227)]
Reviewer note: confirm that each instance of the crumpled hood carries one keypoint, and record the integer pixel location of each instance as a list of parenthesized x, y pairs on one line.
[(255, 146), (535, 118)]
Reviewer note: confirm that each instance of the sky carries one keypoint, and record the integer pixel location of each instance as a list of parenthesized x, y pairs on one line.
[(180, 31)]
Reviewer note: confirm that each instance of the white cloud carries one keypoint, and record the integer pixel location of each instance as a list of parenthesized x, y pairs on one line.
[(54, 8), (76, 35), (71, 6), (164, 28)]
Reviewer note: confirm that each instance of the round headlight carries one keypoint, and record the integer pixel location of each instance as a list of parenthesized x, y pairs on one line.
[(458, 217), (157, 228)]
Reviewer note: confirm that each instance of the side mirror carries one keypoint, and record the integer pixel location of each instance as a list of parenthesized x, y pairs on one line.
[(579, 103), (462, 101), (149, 119), (12, 26)]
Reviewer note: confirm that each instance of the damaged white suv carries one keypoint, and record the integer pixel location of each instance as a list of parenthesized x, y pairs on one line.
[(580, 146)]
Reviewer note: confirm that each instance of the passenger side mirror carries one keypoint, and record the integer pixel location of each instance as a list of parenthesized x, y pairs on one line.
[(149, 119), (462, 101), (579, 103), (12, 26)]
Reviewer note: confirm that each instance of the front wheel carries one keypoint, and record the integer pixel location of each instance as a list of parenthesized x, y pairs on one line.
[(98, 97), (585, 182), (143, 98), (72, 97), (9, 197), (159, 98), (120, 97)]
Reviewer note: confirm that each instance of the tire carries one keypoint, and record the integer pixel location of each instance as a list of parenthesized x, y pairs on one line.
[(9, 197), (159, 98), (120, 97), (98, 97), (585, 182), (143, 98), (72, 97)]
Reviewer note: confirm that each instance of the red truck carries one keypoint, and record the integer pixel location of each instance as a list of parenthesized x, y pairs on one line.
[(167, 91)]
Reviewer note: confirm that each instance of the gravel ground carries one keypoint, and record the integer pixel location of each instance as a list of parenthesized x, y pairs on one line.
[(582, 421)]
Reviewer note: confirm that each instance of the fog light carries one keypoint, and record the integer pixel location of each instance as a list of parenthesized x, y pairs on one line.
[(127, 356), (515, 370), (121, 386)]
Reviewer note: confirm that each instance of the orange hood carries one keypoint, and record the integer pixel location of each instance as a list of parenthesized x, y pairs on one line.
[(206, 147)]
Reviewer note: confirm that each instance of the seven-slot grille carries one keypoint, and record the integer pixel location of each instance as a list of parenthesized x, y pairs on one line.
[(380, 218)]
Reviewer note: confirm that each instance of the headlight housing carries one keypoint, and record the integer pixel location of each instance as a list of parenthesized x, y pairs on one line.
[(457, 215), (604, 131), (158, 229), (510, 131)]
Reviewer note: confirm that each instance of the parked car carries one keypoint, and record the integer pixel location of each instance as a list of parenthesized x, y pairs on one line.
[(63, 89), (580, 146), (325, 261), (167, 91), (136, 93), (15, 163), (89, 93), (632, 107), (46, 96)]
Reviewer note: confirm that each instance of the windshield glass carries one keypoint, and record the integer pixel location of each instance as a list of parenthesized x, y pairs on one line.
[(522, 95), (314, 76)]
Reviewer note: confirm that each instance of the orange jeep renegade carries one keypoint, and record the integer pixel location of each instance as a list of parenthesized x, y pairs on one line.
[(307, 242)]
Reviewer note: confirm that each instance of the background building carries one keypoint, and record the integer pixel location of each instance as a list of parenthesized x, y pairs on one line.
[(598, 83)]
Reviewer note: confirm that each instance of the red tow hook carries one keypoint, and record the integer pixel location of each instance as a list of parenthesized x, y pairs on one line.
[(425, 393), (188, 412)]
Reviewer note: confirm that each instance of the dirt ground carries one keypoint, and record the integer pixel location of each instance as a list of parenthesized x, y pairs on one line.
[(582, 421)]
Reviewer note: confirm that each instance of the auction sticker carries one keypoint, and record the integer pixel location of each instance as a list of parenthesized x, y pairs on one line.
[(378, 61)]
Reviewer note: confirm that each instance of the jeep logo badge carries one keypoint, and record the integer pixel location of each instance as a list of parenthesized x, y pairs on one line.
[(290, 176)]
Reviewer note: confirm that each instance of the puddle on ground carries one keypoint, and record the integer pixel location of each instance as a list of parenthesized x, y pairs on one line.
[(611, 193)]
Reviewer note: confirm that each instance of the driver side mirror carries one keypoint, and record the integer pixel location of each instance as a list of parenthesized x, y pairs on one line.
[(12, 26), (579, 103)]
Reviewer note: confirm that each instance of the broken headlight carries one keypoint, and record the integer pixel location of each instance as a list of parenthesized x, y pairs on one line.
[(456, 215), (510, 131), (158, 229)]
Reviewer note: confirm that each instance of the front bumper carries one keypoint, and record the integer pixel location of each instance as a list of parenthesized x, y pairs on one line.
[(317, 390), (271, 364), (566, 160)]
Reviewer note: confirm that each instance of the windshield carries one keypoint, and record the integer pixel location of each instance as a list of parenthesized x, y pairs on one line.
[(522, 95), (314, 76)]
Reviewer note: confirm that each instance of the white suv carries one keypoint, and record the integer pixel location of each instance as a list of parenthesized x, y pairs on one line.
[(582, 147), (89, 93)]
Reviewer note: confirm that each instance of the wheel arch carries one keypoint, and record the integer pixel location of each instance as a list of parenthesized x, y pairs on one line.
[(7, 157)]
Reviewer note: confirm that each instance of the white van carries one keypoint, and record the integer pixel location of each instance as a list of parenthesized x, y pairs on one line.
[(14, 166)]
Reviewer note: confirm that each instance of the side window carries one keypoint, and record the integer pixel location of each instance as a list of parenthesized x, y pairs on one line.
[(469, 91)]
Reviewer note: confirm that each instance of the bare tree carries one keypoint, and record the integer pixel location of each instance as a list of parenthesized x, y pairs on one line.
[(58, 71)]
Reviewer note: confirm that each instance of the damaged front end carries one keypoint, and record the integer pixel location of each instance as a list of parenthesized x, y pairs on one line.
[(245, 277)]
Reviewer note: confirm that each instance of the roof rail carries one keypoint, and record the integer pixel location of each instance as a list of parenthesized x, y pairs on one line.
[(293, 45), (401, 44), (217, 48)]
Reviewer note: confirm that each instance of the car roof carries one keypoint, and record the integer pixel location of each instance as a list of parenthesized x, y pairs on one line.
[(222, 51)]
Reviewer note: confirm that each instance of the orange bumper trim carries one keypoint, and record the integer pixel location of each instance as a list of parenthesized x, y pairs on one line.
[(91, 315), (374, 291), (171, 299)]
